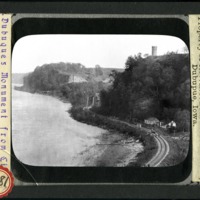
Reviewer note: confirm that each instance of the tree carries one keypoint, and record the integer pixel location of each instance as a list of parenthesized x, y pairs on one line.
[(98, 70), (149, 87), (182, 119), (131, 63)]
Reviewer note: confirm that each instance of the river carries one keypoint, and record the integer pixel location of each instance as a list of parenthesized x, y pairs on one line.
[(44, 134)]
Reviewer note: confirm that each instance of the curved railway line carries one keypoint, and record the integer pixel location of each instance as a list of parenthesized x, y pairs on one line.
[(162, 152), (163, 147)]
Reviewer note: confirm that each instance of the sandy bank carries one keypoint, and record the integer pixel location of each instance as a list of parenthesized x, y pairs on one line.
[(113, 149)]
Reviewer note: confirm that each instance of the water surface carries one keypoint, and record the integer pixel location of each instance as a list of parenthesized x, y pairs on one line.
[(44, 134)]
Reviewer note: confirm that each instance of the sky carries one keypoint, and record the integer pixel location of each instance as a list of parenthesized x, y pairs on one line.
[(108, 51)]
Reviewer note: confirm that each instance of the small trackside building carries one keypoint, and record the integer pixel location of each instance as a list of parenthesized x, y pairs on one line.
[(152, 121)]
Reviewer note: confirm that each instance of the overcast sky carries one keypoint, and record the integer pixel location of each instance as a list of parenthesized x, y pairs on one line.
[(89, 50)]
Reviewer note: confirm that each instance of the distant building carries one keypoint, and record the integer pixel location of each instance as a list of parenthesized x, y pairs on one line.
[(172, 124), (152, 121), (169, 125), (76, 79)]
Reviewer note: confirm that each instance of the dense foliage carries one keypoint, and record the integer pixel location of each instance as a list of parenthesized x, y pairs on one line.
[(53, 76), (79, 93), (151, 87), (45, 78), (54, 79)]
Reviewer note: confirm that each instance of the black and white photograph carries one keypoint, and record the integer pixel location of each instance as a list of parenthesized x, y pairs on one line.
[(105, 100)]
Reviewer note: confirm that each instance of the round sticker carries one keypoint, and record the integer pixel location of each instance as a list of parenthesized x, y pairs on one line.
[(6, 181)]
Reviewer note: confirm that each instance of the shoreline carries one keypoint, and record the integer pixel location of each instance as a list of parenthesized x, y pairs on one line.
[(148, 142), (111, 149), (114, 150)]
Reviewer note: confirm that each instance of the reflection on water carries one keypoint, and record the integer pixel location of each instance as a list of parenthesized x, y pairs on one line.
[(44, 134)]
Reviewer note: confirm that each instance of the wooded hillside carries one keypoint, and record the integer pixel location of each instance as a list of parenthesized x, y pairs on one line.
[(151, 87)]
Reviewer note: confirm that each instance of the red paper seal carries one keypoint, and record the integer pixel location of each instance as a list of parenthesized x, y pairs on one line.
[(6, 182)]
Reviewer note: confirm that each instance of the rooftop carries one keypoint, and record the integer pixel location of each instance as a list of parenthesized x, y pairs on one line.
[(152, 119)]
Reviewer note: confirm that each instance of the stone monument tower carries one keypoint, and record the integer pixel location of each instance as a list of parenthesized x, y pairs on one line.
[(154, 51)]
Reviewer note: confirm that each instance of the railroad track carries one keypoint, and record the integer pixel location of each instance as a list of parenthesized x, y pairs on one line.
[(163, 147), (162, 152)]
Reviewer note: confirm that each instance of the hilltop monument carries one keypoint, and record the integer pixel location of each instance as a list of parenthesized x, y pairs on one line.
[(154, 51)]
